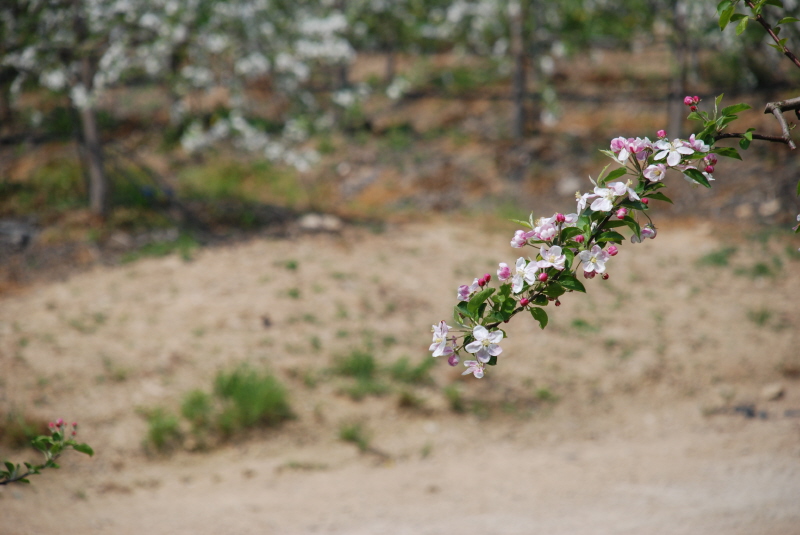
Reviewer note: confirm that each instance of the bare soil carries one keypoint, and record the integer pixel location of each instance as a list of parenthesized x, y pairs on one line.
[(629, 414)]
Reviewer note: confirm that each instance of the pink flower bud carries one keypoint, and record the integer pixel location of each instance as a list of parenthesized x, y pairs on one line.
[(453, 359), (621, 213), (60, 422), (711, 159), (560, 218), (589, 274), (709, 169), (542, 277), (661, 133), (693, 108), (579, 238), (645, 200), (75, 425), (481, 282), (612, 250), (696, 99), (74, 433), (688, 100), (605, 276), (524, 301), (487, 277), (51, 425), (504, 273), (558, 303)]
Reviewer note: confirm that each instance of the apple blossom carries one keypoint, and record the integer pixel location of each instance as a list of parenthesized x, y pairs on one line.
[(504, 272), (655, 172), (474, 367), (612, 250), (604, 201), (594, 260), (551, 257), (523, 272), (672, 151), (520, 238), (486, 344), (439, 346), (661, 134), (465, 292)]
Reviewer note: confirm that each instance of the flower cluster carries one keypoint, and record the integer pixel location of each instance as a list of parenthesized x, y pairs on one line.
[(584, 241)]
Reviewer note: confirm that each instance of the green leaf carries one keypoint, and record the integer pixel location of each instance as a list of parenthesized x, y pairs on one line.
[(461, 309), (776, 3), (614, 224), (492, 361), (570, 256), (83, 448), (725, 17), (616, 173), (741, 26), (634, 225), (697, 176), (569, 282), (540, 300), (730, 152), (736, 108), (478, 299), (738, 16), (784, 20), (554, 289), (540, 315), (635, 205), (798, 189), (723, 5), (659, 196), (570, 232), (523, 223), (10, 466), (718, 100), (744, 143), (610, 236), (694, 116)]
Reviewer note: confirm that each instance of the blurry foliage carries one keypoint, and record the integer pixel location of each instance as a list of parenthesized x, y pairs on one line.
[(17, 429)]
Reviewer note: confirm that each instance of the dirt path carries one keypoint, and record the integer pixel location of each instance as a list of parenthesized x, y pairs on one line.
[(618, 418)]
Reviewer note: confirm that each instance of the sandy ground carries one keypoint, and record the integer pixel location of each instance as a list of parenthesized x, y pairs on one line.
[(641, 435)]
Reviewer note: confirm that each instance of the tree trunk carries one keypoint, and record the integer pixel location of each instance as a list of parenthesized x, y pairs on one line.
[(517, 12), (99, 185), (676, 110)]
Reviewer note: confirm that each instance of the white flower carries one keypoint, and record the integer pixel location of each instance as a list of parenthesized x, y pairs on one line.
[(672, 151), (551, 257), (655, 172), (439, 345), (486, 344), (620, 189), (594, 260), (474, 367), (604, 201), (523, 272)]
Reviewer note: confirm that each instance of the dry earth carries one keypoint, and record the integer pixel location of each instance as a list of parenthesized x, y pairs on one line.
[(642, 436)]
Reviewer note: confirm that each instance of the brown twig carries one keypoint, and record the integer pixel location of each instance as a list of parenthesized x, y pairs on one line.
[(786, 52)]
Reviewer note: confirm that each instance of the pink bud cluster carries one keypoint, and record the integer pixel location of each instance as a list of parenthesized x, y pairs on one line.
[(60, 425), (691, 102)]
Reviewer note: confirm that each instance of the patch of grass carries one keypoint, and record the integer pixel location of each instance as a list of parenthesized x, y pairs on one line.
[(355, 433), (545, 394), (408, 400), (198, 408), (404, 372), (759, 316), (359, 364), (184, 245), (114, 372), (250, 399), (583, 326), (365, 387), (455, 398), (18, 429), (757, 271), (291, 265), (163, 430), (719, 258), (294, 293)]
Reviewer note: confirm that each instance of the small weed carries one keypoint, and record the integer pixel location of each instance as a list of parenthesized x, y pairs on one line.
[(358, 364), (197, 408), (363, 388), (545, 394), (455, 398), (388, 341), (341, 311), (303, 466), (163, 430), (792, 253), (291, 265), (409, 400), (184, 245), (759, 316), (426, 450), (342, 333), (316, 343), (114, 372), (718, 258), (17, 430), (756, 271), (294, 293), (583, 326), (355, 434), (402, 371), (310, 318), (251, 399)]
